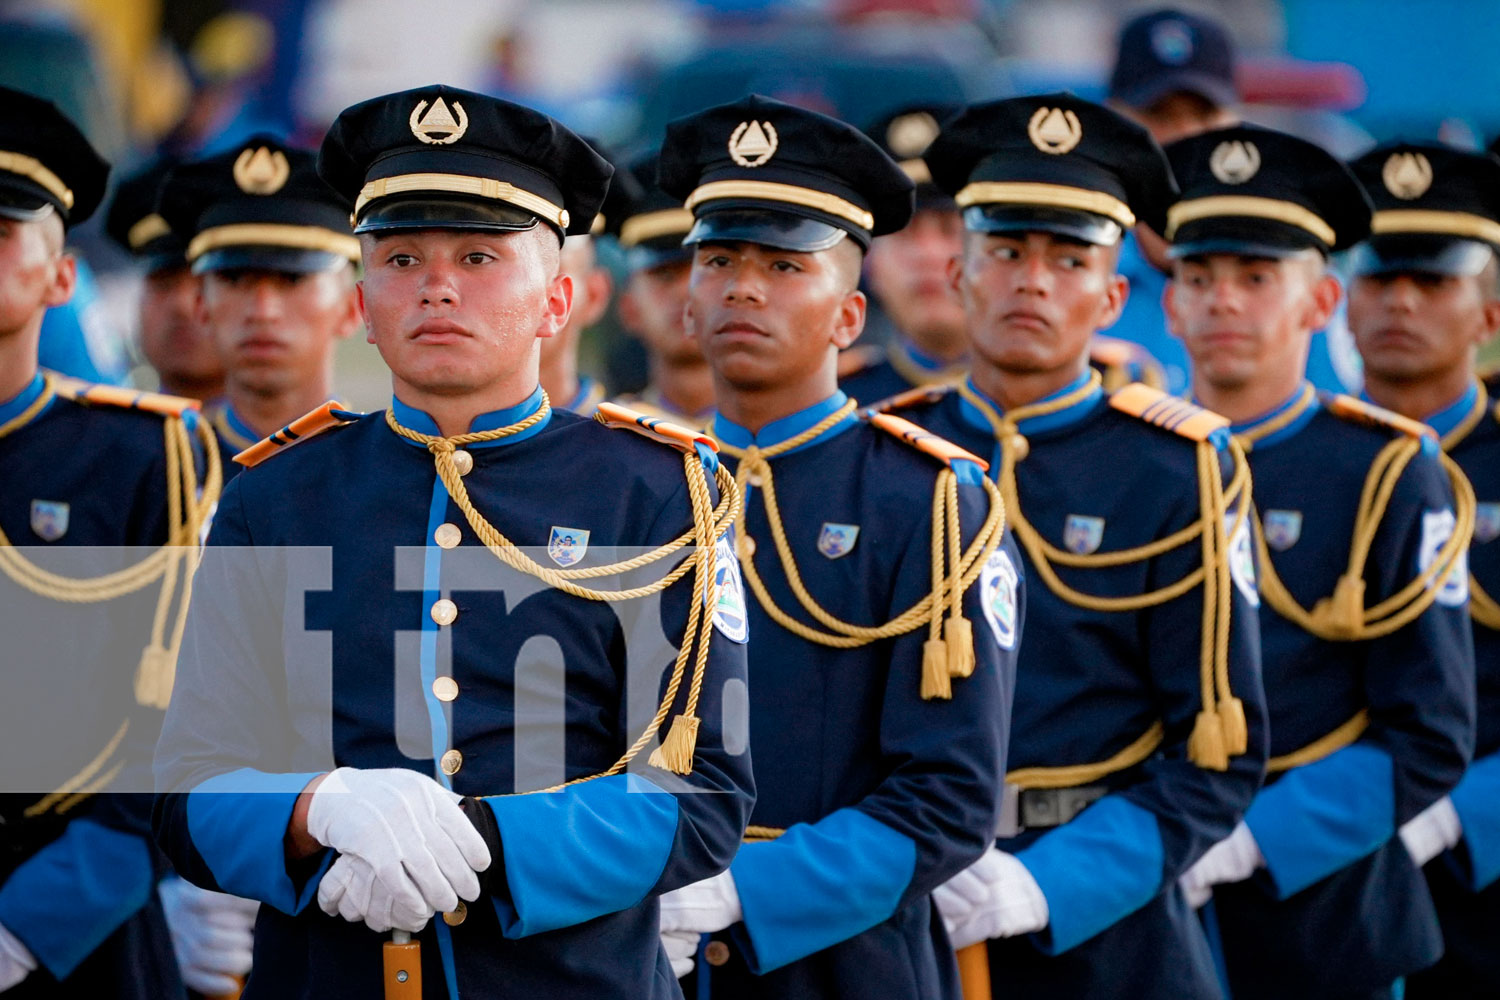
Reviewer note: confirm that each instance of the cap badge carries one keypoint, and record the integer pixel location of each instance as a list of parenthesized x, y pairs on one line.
[(910, 135), (261, 170), (753, 143), (1234, 161), (1172, 41), (1407, 175), (438, 127), (1054, 130)]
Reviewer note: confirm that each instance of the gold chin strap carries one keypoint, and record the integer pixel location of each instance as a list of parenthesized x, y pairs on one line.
[(1342, 616), (188, 509), (1482, 607), (1220, 730), (709, 525), (949, 649)]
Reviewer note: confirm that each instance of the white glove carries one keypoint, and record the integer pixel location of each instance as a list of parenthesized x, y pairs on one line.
[(213, 935), (351, 890), (681, 946), (410, 831), (1233, 859), (995, 897), (16, 960), (703, 907), (1432, 831)]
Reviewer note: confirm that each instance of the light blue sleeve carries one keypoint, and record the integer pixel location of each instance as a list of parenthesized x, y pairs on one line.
[(581, 852), (1477, 802), (66, 899), (819, 884), (1122, 843), (1324, 816), (237, 822)]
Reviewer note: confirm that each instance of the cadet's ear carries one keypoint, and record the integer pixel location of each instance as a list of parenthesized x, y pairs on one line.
[(559, 306), (851, 319), (1115, 296), (64, 280), (1324, 301), (359, 301)]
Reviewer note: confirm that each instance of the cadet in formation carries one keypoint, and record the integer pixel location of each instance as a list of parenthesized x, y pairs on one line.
[(369, 713), (1425, 296), (886, 607), (172, 336), (1139, 731), (1364, 629), (99, 516), (271, 244), (592, 287), (648, 226)]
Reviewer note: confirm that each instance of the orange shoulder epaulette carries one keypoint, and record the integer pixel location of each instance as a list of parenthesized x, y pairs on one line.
[(665, 431), (915, 396), (1168, 412), (924, 440), (308, 425), (1361, 412), (93, 394)]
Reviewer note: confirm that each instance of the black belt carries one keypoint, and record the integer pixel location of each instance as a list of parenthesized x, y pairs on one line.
[(1025, 809)]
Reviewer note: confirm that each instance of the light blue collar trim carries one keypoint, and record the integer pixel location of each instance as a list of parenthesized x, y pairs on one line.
[(1034, 425), (786, 428), (18, 403), (914, 354), (1451, 416), (1300, 421), (417, 420), (239, 426)]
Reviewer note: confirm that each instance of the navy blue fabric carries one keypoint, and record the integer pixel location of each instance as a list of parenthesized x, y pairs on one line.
[(837, 731), (248, 693), (1417, 684), (68, 693), (882, 379), (1091, 683)]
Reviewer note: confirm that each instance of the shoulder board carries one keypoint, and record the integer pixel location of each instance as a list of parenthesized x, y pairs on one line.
[(92, 394), (1168, 412), (854, 360), (1360, 412), (306, 426), (665, 431), (920, 395), (924, 440)]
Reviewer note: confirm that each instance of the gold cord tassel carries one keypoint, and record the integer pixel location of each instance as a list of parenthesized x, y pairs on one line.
[(958, 642), (154, 677), (936, 680), (1236, 729), (1206, 747), (676, 751), (958, 634), (1342, 616)]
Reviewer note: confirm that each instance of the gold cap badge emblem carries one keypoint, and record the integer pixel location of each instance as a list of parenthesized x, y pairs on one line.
[(1054, 130), (261, 170), (1234, 161), (753, 143), (438, 127), (910, 135), (1407, 175)]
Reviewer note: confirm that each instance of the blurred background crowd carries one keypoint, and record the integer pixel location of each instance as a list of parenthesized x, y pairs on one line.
[(189, 77)]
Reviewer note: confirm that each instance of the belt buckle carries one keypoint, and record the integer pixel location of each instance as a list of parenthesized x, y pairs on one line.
[(1010, 812)]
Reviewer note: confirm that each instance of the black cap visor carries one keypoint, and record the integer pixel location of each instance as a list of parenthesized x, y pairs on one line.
[(21, 204), (645, 256), (286, 260), (430, 212), (781, 230), (1085, 227), (1243, 237), (1422, 254)]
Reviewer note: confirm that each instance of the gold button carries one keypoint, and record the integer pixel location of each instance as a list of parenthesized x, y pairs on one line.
[(447, 535), (446, 688), (463, 462), (744, 547), (444, 611), (451, 762), (1019, 447), (457, 915), (716, 953), (756, 480)]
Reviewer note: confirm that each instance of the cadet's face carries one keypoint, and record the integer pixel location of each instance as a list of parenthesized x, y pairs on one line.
[(651, 309), (274, 330), (453, 312), (1414, 325), (766, 317), (1033, 300), (34, 272), (908, 273), (173, 338), (1247, 318)]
